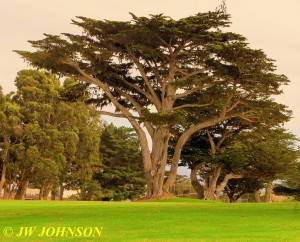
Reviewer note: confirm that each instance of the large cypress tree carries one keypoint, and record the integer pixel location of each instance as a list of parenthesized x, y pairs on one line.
[(156, 71)]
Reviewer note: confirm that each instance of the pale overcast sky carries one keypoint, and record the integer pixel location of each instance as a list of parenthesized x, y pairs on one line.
[(271, 25)]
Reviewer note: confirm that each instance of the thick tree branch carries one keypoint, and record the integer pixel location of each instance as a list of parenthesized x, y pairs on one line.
[(226, 104), (225, 135), (138, 108), (242, 115), (188, 92), (185, 136), (117, 115), (227, 177), (221, 140), (155, 71), (180, 143), (135, 87), (143, 138), (194, 180), (191, 106), (156, 100), (187, 75), (213, 148), (237, 196), (234, 106)]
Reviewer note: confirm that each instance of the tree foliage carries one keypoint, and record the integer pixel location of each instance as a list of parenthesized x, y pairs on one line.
[(10, 129), (166, 74), (122, 175), (52, 136), (240, 163)]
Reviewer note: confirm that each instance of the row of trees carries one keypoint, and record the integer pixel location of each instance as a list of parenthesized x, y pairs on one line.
[(243, 162), (50, 139), (169, 78)]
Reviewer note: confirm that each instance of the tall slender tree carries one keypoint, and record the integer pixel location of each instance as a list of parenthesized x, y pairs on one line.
[(41, 144)]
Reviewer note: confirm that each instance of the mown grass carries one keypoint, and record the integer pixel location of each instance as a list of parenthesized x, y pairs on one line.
[(167, 220)]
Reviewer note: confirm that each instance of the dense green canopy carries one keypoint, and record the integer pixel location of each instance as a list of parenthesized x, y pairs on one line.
[(167, 74)]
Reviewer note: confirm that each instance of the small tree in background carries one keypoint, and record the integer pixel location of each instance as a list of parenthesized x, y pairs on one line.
[(257, 156), (236, 188), (122, 175), (271, 155), (291, 184)]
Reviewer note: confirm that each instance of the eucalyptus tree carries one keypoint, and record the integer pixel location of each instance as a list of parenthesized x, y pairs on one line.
[(10, 128), (155, 69), (54, 133), (79, 173), (40, 145)]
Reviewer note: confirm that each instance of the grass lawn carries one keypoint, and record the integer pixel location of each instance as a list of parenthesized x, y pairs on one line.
[(168, 220)]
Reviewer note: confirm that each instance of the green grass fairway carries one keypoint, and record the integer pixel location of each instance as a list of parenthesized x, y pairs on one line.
[(168, 220)]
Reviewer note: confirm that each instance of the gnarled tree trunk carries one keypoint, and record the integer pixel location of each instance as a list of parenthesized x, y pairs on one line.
[(44, 192), (195, 182), (179, 146), (156, 174), (22, 189), (211, 184), (223, 184), (213, 189)]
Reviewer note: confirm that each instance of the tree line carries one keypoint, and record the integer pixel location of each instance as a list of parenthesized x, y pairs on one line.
[(51, 140), (172, 80), (237, 162)]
